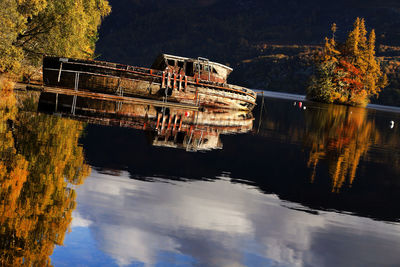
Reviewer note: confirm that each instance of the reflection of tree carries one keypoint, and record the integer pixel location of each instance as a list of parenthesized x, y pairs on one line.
[(40, 156), (341, 135)]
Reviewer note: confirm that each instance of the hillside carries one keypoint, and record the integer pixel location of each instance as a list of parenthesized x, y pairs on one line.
[(240, 33)]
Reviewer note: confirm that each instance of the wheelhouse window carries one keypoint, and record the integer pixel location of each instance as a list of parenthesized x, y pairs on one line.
[(198, 67), (189, 68)]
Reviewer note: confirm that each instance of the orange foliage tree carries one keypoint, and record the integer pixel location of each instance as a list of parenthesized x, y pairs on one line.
[(348, 73), (40, 160)]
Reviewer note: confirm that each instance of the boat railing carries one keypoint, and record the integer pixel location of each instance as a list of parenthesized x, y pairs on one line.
[(119, 67)]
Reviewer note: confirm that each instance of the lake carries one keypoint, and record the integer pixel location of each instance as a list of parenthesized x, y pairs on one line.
[(88, 182)]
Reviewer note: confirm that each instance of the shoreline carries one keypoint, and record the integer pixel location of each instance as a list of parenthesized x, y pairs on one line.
[(297, 97)]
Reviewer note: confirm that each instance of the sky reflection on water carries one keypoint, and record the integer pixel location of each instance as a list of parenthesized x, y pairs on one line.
[(305, 187), (220, 223)]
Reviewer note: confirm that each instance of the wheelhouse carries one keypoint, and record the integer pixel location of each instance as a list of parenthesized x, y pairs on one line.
[(200, 68)]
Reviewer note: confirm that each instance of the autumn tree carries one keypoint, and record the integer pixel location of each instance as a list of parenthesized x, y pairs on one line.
[(40, 160), (11, 25), (31, 28), (349, 72)]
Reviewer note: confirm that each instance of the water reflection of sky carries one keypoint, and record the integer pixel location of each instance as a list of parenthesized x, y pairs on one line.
[(121, 221)]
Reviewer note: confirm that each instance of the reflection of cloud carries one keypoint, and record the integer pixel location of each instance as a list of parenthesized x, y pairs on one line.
[(78, 221), (223, 224), (129, 244)]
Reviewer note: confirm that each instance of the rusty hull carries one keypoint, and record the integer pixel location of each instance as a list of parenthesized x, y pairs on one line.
[(111, 78)]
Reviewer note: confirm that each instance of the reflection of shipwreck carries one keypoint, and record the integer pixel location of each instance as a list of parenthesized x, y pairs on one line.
[(188, 129), (198, 82)]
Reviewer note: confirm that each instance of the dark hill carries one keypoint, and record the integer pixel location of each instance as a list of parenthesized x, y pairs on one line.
[(236, 32)]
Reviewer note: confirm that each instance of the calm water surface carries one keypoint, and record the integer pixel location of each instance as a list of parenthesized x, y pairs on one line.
[(120, 185)]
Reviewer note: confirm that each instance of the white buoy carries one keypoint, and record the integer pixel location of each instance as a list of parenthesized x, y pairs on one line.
[(294, 104), (304, 107), (391, 124)]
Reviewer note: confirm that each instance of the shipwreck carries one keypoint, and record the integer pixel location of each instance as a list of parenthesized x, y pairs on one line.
[(199, 82)]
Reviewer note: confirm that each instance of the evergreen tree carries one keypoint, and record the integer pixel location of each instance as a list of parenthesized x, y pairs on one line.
[(353, 40)]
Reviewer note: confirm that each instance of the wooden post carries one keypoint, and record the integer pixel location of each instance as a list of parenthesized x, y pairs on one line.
[(180, 124), (169, 122), (56, 102), (169, 80), (163, 123), (158, 120), (175, 120), (186, 80), (73, 104), (163, 80), (59, 72), (76, 81)]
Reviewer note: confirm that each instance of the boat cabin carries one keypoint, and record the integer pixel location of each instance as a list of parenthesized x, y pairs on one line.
[(200, 68)]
